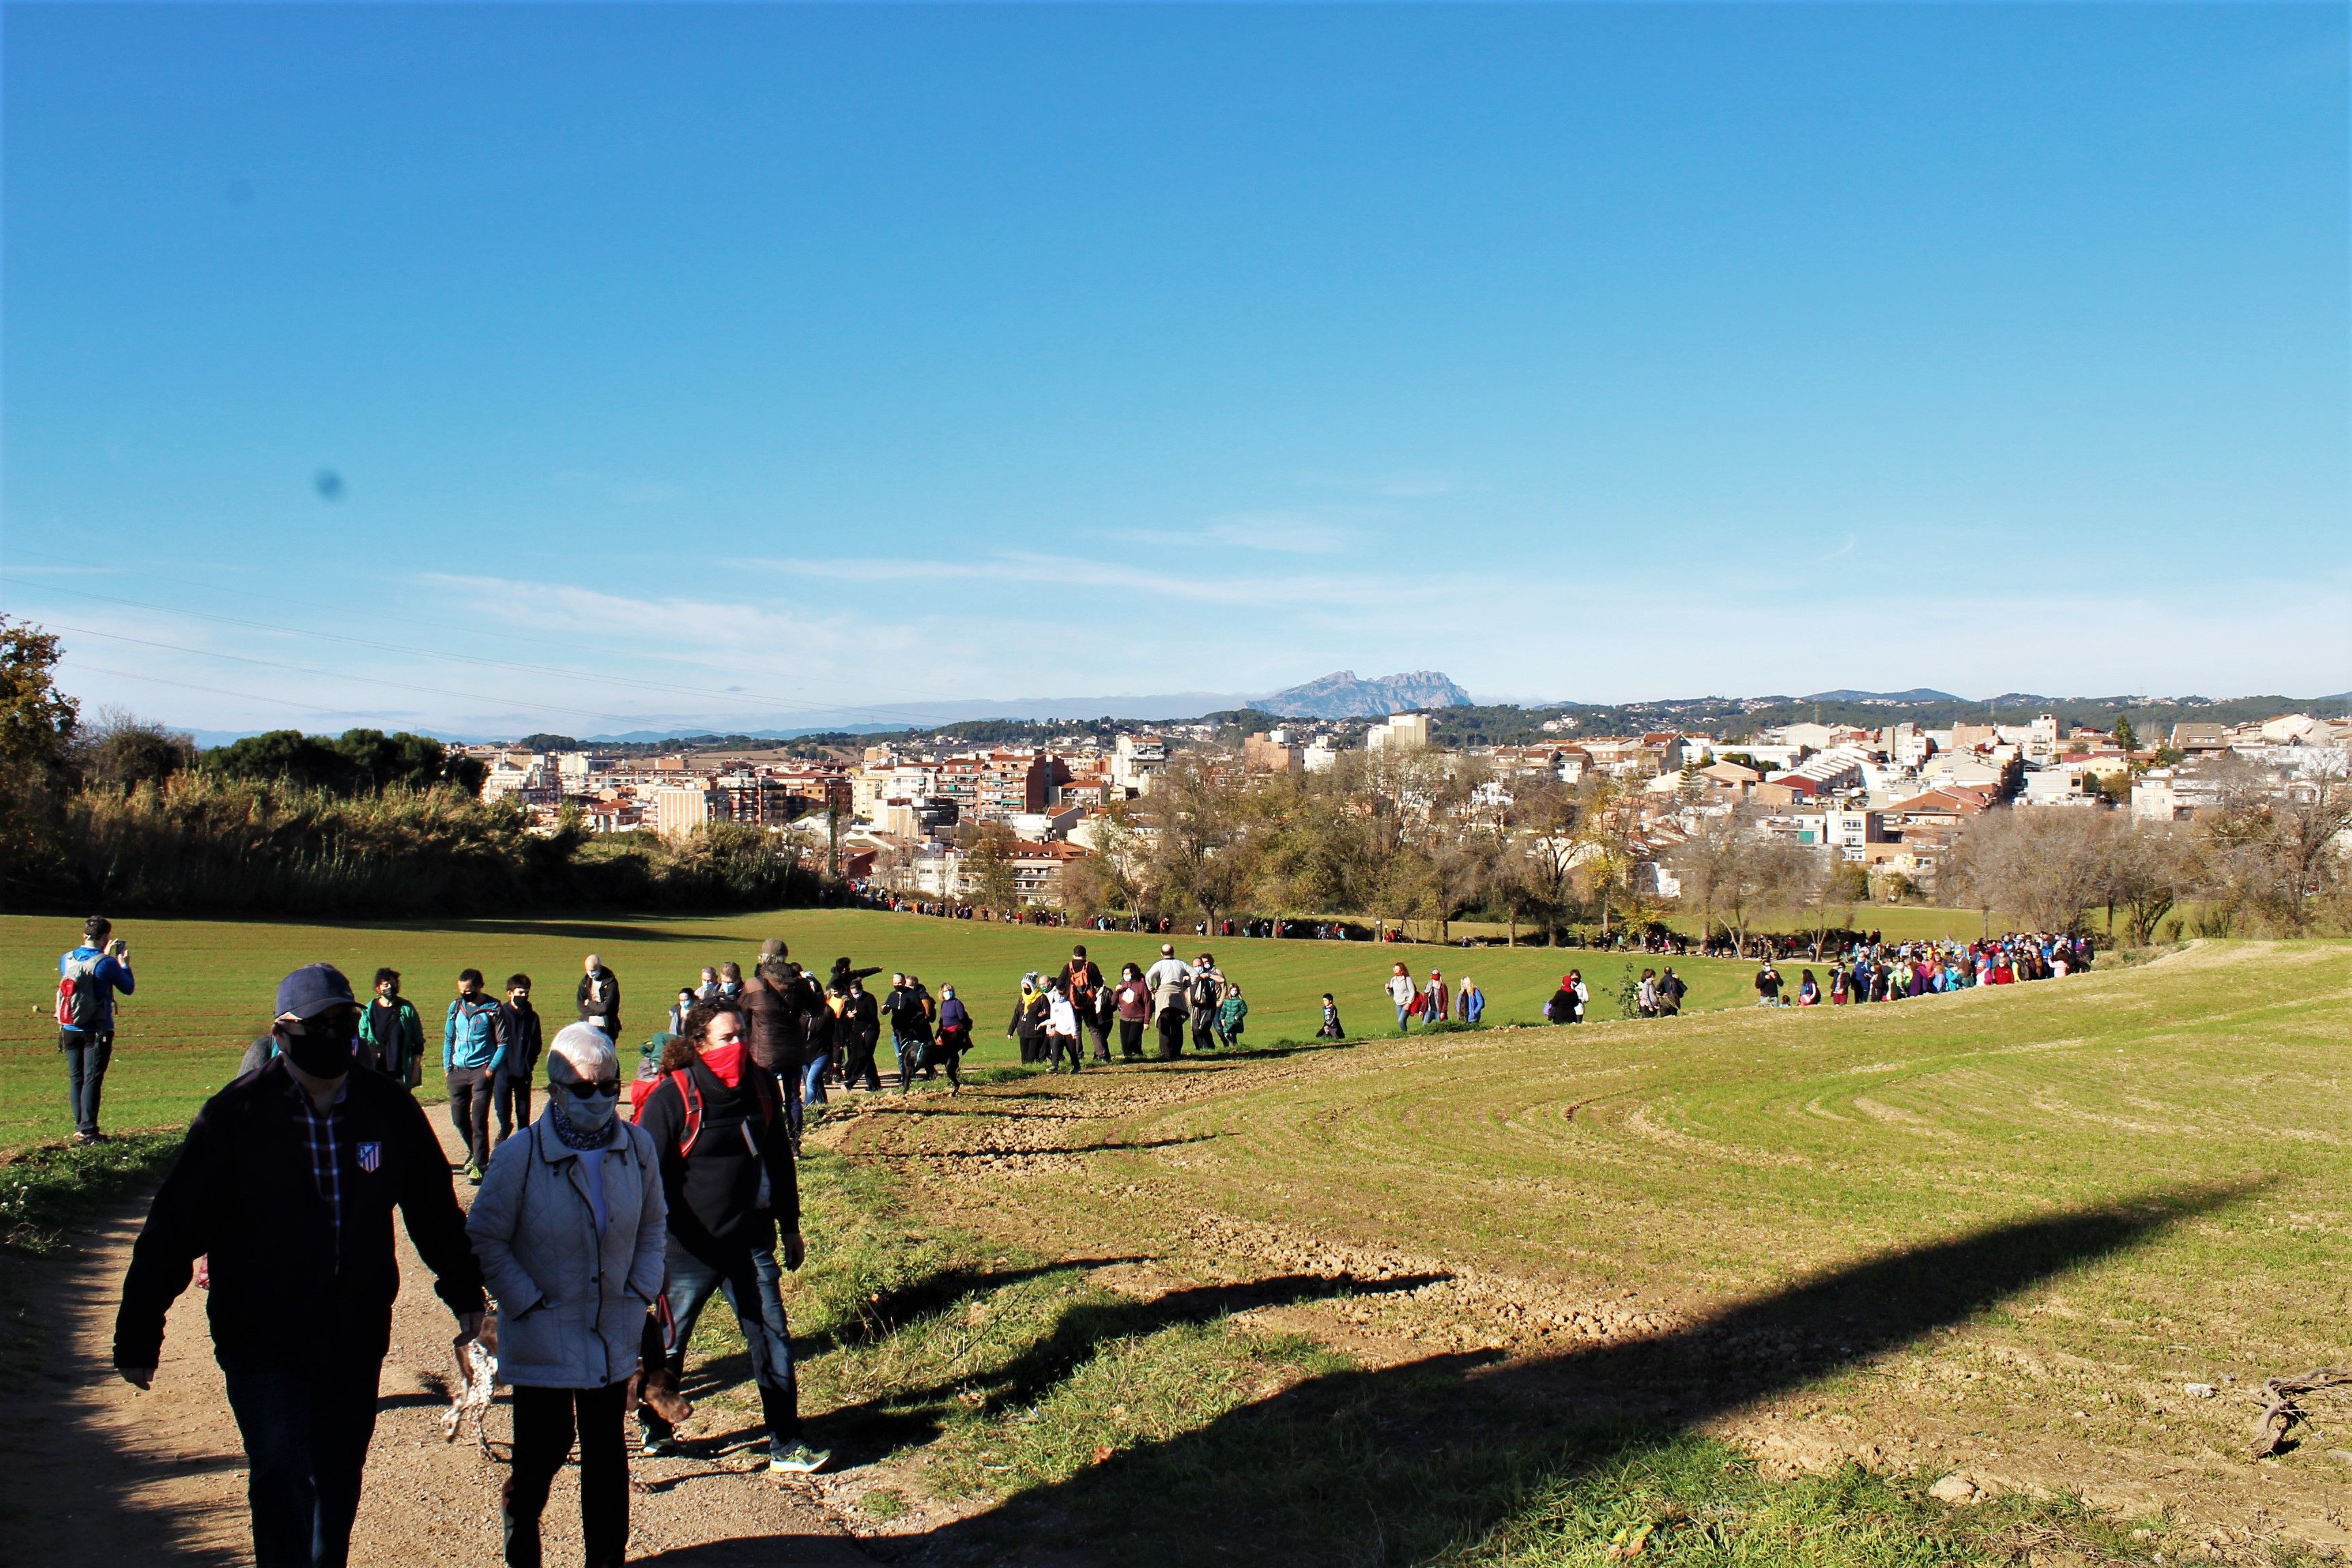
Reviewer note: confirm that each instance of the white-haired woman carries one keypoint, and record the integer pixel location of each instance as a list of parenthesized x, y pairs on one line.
[(571, 1230)]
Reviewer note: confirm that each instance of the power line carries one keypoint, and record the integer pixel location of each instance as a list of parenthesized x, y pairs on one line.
[(800, 703), (326, 675), (80, 665)]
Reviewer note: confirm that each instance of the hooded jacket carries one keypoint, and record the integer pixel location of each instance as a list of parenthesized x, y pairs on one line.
[(474, 1034)]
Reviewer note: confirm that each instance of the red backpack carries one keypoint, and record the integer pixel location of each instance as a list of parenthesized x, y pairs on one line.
[(691, 1097), (81, 1000)]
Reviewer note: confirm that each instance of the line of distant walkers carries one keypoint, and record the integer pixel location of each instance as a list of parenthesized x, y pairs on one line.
[(1054, 1015)]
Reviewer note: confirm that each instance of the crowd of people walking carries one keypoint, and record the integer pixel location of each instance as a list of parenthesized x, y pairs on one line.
[(1056, 1016), (1896, 972)]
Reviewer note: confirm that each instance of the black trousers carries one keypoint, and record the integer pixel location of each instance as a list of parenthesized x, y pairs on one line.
[(543, 1428), (1171, 1036), (1099, 1027), (860, 1065), (1130, 1038), (512, 1096), (1062, 1045), (469, 1113)]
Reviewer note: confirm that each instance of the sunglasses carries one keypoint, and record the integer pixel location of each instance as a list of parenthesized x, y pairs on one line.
[(602, 1088)]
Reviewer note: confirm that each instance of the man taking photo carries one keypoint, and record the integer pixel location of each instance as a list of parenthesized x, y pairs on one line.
[(286, 1183), (88, 978)]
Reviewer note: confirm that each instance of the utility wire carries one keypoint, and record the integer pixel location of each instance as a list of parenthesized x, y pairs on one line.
[(881, 715), (326, 675)]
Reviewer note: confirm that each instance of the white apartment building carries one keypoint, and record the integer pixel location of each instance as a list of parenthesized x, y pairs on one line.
[(1399, 731), (680, 809), (1136, 761)]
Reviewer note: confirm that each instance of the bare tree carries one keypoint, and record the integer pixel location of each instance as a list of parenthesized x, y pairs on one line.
[(2150, 866), (1737, 871), (1609, 824), (1117, 876), (1202, 857), (2048, 864), (2271, 844)]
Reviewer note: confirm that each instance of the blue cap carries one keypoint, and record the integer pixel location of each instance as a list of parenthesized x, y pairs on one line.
[(313, 989)]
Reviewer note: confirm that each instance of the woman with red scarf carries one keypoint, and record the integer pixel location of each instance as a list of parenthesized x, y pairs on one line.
[(727, 1172)]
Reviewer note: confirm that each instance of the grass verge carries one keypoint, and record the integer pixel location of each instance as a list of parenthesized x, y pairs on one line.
[(47, 1190), (1057, 1416)]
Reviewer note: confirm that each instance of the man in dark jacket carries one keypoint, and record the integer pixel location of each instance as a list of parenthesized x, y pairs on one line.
[(287, 1183), (727, 1175), (599, 998), (1082, 983), (860, 1029), (908, 1006), (510, 1093), (773, 1000)]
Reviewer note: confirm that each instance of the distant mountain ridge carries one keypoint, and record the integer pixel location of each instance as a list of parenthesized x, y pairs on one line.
[(1917, 695), (1341, 695)]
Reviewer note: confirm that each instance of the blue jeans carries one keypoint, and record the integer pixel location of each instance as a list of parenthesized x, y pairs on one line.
[(754, 1287), (1404, 1016), (86, 1074), (812, 1080), (306, 1433)]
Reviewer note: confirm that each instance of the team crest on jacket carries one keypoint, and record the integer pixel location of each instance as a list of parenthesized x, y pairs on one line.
[(371, 1156)]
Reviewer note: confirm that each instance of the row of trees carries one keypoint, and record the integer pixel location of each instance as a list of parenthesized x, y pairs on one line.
[(125, 815), (1425, 837), (2268, 858), (1397, 837)]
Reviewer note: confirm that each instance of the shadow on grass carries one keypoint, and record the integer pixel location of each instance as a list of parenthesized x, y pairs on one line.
[(1397, 1465), (861, 1434), (877, 1319), (595, 933)]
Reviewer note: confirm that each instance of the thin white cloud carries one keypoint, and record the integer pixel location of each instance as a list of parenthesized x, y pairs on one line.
[(1282, 533)]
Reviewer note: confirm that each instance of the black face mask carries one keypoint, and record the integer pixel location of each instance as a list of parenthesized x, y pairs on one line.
[(323, 1049)]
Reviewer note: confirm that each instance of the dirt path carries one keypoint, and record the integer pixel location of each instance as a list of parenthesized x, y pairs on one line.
[(93, 1472)]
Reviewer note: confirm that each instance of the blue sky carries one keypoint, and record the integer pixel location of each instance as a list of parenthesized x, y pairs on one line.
[(744, 364)]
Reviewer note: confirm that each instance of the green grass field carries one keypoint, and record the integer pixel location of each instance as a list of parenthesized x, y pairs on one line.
[(207, 985), (1997, 1234)]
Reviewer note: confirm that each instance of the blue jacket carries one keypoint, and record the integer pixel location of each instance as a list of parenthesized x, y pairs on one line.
[(106, 975), (1473, 1005), (474, 1034)]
